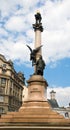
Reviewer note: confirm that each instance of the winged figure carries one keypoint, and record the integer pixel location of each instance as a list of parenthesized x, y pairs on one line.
[(33, 53)]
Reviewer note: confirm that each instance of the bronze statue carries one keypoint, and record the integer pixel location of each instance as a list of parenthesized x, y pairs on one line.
[(33, 54), (38, 24), (40, 66), (38, 18)]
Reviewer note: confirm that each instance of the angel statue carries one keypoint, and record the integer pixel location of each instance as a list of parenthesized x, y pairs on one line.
[(33, 54)]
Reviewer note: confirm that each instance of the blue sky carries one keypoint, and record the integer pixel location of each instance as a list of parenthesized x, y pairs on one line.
[(16, 19)]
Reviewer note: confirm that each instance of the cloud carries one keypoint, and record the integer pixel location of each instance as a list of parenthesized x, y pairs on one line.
[(17, 6), (56, 36), (14, 50), (62, 95), (56, 46), (3, 32), (16, 23)]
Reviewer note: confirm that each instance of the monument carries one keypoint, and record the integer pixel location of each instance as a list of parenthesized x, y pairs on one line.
[(35, 113)]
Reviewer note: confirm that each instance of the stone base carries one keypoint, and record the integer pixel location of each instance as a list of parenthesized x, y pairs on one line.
[(35, 111), (34, 114)]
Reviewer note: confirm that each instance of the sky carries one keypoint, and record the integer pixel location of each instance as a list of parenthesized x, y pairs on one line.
[(16, 31)]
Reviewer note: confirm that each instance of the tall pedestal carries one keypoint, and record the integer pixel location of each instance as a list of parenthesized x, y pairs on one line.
[(37, 90), (37, 87)]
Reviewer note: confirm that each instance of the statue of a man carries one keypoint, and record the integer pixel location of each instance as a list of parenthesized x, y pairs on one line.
[(38, 18), (40, 66)]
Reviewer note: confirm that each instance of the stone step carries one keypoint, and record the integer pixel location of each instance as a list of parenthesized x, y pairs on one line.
[(35, 119)]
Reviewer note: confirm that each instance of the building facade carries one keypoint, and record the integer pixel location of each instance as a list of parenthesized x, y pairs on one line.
[(11, 86), (65, 111)]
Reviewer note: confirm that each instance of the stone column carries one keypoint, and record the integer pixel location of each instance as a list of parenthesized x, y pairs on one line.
[(38, 29), (38, 41)]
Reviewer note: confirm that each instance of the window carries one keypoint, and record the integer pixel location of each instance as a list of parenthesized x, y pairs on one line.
[(1, 99), (2, 90), (1, 110), (3, 71), (4, 65), (4, 68), (66, 114), (3, 80)]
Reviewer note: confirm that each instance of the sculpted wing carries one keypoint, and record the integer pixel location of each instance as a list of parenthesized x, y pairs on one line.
[(37, 49), (29, 48)]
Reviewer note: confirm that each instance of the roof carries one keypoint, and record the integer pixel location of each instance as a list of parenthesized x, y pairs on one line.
[(53, 103)]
